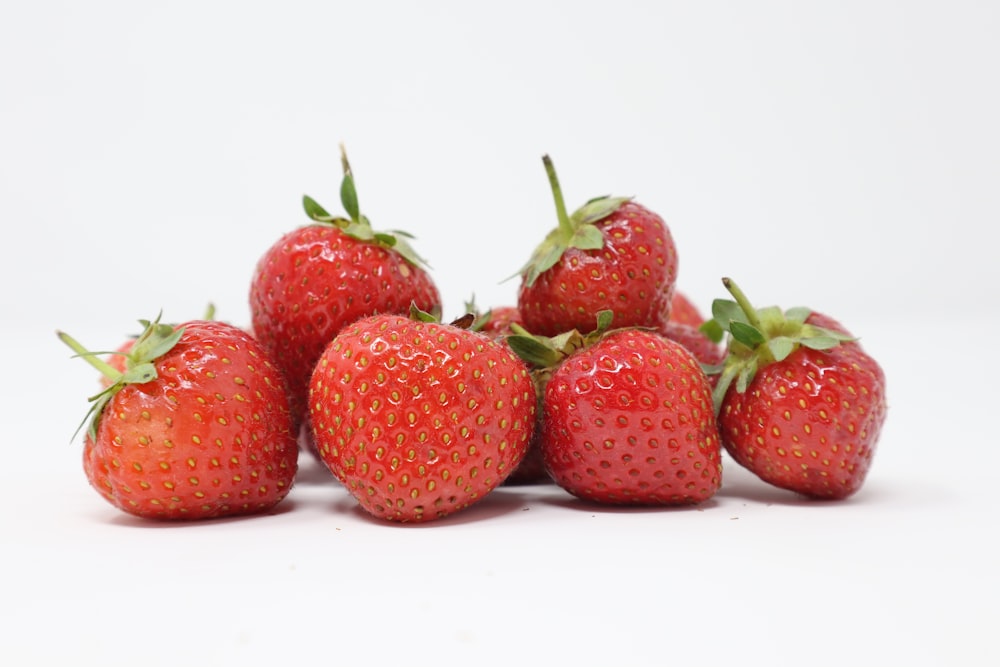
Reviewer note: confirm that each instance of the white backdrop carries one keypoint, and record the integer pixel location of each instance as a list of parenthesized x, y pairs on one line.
[(838, 155)]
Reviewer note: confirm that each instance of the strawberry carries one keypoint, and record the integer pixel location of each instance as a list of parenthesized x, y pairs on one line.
[(799, 402), (708, 353), (610, 254), (626, 417), (321, 277), (419, 419), (196, 427), (498, 323), (683, 311)]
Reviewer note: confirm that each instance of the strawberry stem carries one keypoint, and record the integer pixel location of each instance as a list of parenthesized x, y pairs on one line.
[(564, 222), (106, 369), (744, 303)]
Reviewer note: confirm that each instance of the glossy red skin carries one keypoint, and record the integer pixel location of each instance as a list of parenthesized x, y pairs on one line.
[(809, 423), (419, 420), (531, 470), (210, 437), (634, 275), (697, 343), (630, 421), (683, 311)]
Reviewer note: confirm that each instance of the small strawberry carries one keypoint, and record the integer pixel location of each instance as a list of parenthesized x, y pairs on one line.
[(708, 353), (799, 402), (321, 277), (611, 254), (626, 417), (683, 311), (419, 419), (196, 427)]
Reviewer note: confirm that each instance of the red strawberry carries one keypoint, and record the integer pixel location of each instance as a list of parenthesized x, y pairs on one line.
[(705, 350), (498, 323), (627, 419), (318, 278), (800, 403), (683, 311), (419, 419), (197, 427), (611, 254)]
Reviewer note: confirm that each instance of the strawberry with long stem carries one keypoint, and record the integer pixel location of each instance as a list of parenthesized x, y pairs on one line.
[(799, 401), (609, 254)]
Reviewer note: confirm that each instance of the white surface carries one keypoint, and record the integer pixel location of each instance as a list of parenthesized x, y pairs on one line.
[(839, 155)]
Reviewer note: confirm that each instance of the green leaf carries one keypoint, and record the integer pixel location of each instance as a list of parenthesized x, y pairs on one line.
[(587, 237), (780, 347), (314, 210), (140, 373), (360, 231), (798, 314), (725, 311), (713, 330), (746, 375), (604, 319), (387, 240), (533, 351), (820, 342), (349, 197), (597, 209), (746, 334)]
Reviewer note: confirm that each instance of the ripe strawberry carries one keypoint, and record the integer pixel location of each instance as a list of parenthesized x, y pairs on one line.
[(799, 402), (318, 278), (498, 323), (611, 254), (627, 419), (708, 353), (683, 311), (419, 419), (196, 427)]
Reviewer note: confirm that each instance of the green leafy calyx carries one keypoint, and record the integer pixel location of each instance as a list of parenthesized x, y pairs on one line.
[(545, 352), (757, 338), (578, 230), (155, 340), (356, 225)]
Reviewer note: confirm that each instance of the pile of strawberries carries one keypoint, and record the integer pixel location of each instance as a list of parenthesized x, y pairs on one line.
[(602, 379)]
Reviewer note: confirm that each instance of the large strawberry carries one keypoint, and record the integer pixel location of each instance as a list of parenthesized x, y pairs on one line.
[(610, 254), (799, 402), (320, 277), (419, 419), (626, 417), (196, 427)]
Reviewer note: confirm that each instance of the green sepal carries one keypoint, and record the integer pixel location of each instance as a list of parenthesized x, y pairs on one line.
[(578, 230), (314, 210), (357, 225), (155, 340), (349, 197), (597, 209), (745, 333), (781, 347)]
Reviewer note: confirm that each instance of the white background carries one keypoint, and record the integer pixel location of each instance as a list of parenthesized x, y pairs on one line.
[(838, 155)]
